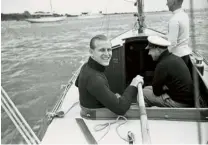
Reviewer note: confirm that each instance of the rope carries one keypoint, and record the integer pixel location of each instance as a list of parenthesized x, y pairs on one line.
[(18, 119), (71, 107), (61, 114), (100, 127)]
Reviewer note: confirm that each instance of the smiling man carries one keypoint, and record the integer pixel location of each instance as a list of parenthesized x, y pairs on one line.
[(94, 91)]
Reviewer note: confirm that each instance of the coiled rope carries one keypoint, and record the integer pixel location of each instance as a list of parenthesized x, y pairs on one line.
[(100, 127), (18, 120)]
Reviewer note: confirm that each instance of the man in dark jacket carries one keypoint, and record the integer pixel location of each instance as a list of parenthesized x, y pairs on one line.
[(94, 91), (172, 84)]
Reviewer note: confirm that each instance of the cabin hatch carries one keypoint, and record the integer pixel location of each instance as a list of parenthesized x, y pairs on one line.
[(128, 61)]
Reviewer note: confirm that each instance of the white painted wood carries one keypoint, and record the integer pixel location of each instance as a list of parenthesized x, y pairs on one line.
[(66, 131)]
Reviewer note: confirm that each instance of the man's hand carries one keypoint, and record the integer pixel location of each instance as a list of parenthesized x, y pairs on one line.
[(118, 95), (138, 79)]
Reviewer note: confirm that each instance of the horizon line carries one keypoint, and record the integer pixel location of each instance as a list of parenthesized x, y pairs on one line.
[(102, 13)]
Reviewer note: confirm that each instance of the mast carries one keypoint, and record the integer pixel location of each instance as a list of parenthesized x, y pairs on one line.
[(140, 7), (51, 7)]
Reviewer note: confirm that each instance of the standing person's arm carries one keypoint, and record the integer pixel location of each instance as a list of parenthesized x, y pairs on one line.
[(173, 31)]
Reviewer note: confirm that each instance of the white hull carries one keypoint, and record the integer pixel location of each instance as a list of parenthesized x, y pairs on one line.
[(66, 130), (46, 19)]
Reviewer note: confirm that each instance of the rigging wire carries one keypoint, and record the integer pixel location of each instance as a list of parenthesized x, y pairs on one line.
[(17, 118), (107, 19), (70, 82), (195, 77), (55, 112), (129, 1), (15, 123)]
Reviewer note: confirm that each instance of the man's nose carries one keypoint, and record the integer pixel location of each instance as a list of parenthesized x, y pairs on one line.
[(106, 52)]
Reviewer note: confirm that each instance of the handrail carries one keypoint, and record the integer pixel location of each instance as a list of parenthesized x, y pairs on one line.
[(143, 116)]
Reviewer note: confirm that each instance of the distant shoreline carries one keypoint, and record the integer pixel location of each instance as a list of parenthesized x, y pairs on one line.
[(27, 15)]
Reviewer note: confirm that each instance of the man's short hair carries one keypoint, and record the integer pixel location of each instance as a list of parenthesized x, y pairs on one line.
[(95, 38)]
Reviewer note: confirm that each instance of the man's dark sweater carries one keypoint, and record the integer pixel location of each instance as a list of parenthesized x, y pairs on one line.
[(172, 72), (94, 91)]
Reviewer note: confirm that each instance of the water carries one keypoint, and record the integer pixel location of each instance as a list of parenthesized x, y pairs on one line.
[(38, 58)]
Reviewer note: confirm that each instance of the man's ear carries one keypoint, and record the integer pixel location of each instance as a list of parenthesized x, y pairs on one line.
[(91, 51), (158, 50)]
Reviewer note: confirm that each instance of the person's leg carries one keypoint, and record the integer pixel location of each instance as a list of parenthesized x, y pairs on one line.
[(171, 103), (152, 100), (160, 101)]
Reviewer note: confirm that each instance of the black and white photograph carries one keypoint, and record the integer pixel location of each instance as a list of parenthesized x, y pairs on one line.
[(104, 72)]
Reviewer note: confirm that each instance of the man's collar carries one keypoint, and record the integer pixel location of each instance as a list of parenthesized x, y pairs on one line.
[(178, 10), (95, 65), (163, 54)]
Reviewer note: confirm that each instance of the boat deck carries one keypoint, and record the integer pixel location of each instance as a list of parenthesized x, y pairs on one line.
[(66, 130)]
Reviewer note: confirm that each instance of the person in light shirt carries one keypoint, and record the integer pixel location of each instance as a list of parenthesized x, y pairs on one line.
[(178, 31)]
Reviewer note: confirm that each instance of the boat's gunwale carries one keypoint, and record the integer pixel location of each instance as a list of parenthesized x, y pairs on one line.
[(176, 114)]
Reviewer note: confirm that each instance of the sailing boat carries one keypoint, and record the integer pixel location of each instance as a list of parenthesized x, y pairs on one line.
[(164, 125), (87, 15), (48, 18)]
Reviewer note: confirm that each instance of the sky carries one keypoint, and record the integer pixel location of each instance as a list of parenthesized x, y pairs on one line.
[(93, 6)]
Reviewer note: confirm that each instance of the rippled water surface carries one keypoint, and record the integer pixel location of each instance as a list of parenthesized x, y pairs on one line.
[(38, 58)]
